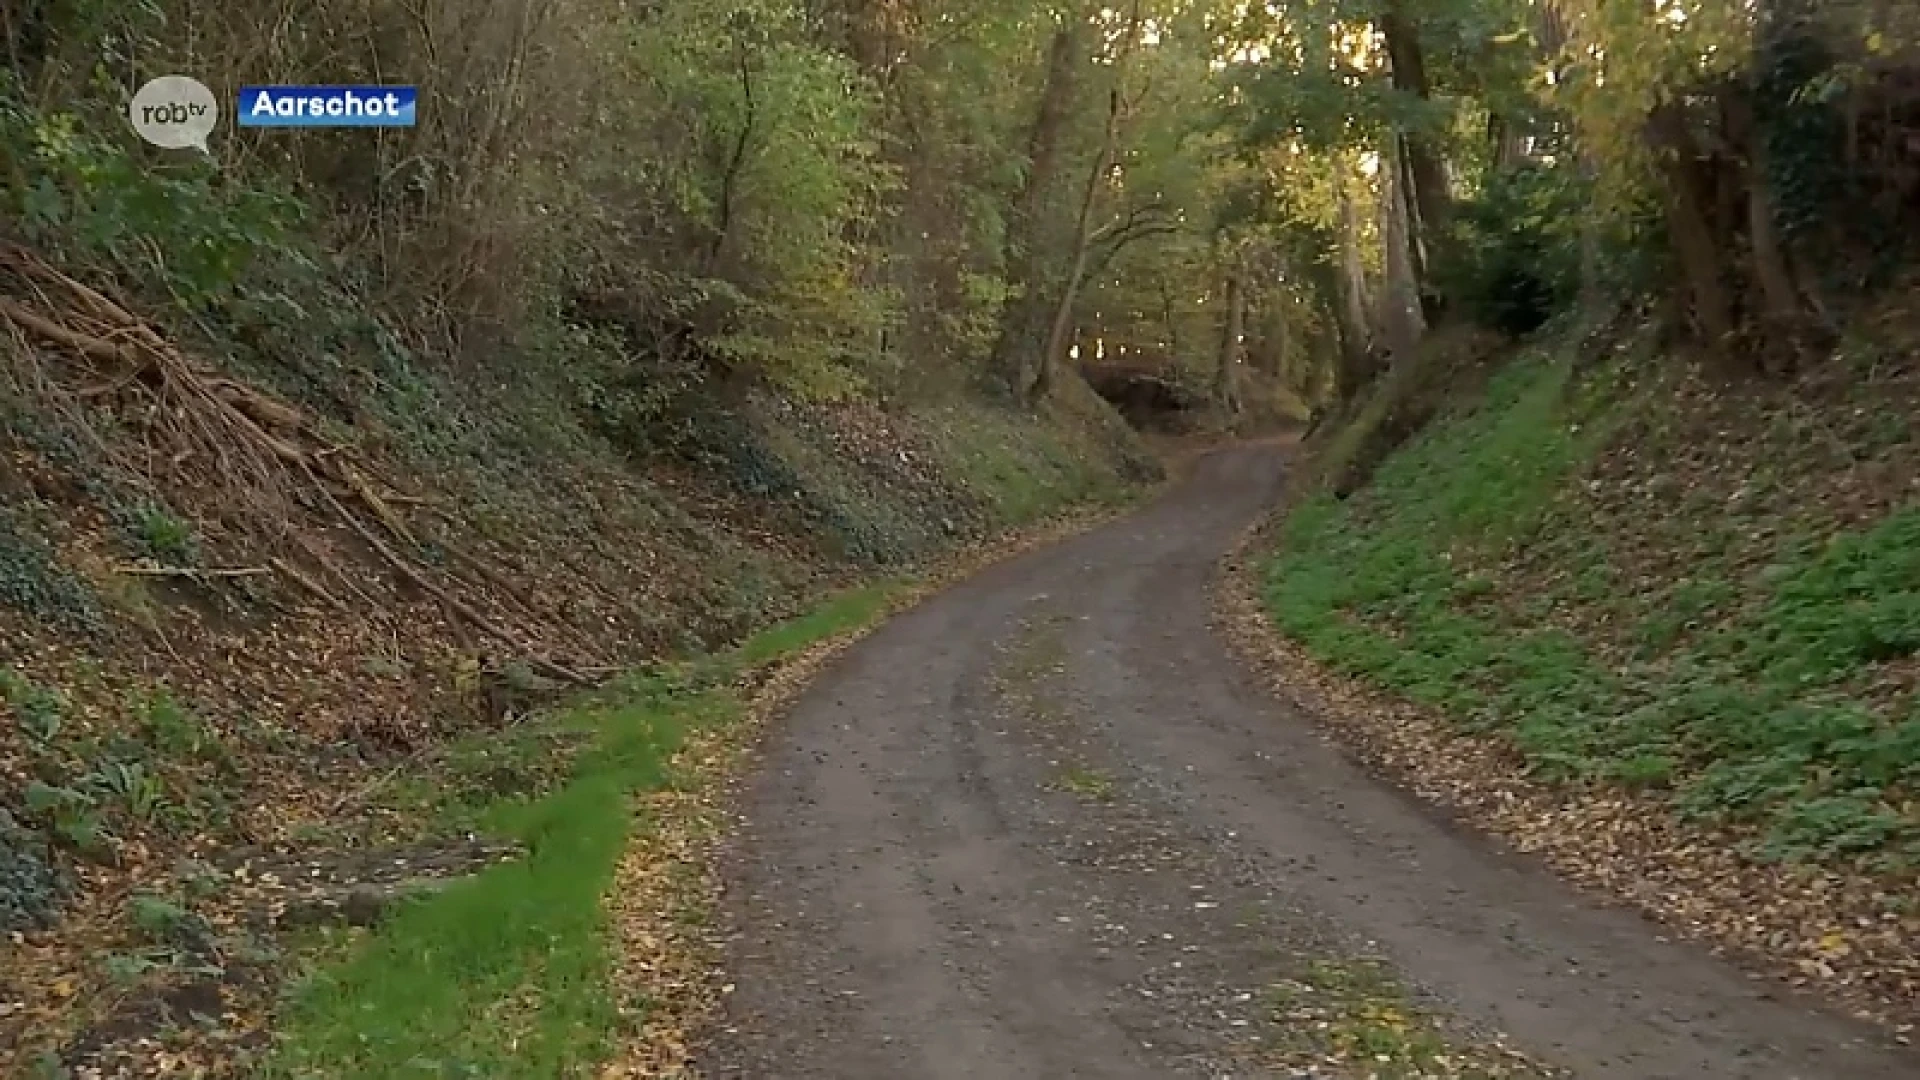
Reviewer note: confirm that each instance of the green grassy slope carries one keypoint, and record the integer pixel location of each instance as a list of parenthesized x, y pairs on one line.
[(1636, 577)]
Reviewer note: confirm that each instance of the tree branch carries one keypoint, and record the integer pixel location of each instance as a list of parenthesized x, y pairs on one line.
[(1106, 253), (1136, 216), (739, 159)]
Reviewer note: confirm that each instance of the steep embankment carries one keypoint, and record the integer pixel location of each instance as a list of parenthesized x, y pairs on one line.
[(272, 636), (1659, 627)]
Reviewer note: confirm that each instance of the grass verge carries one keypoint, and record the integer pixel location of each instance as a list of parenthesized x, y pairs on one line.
[(508, 973)]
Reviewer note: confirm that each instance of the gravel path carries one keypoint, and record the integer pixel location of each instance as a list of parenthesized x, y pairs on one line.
[(1044, 826)]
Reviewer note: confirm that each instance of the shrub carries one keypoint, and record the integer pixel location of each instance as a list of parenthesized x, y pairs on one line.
[(1513, 259)]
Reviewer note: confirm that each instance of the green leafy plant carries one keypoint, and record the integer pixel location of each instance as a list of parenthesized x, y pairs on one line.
[(31, 883), (126, 969), (160, 920), (33, 582), (165, 536), (1736, 703), (170, 729), (183, 221), (72, 812), (139, 791), (47, 1065), (39, 711)]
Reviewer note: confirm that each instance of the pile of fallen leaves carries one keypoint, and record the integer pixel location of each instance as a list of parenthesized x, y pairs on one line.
[(1811, 928)]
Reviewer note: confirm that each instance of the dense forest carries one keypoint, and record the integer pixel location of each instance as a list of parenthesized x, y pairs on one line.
[(330, 457)]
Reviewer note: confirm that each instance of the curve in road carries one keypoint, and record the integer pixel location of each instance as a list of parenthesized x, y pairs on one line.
[(1044, 825)]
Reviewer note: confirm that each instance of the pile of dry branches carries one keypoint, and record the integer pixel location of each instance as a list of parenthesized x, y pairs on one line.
[(267, 474)]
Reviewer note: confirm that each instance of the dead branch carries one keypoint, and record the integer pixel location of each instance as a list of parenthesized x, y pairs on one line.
[(374, 503), (294, 574), (32, 267), (489, 574), (86, 345), (453, 603), (263, 410), (192, 571), (326, 563), (515, 599)]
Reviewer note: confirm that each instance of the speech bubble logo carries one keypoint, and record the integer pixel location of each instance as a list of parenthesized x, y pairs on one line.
[(175, 112)]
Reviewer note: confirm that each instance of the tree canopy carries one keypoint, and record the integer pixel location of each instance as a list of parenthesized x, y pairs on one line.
[(873, 196)]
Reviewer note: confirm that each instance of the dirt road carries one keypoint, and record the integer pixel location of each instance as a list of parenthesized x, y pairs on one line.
[(1043, 826)]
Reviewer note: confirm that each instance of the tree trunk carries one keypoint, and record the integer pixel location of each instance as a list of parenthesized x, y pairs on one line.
[(1275, 357), (1023, 320), (1786, 315), (1273, 304), (1283, 351), (1168, 316), (1689, 227), (1226, 379), (1593, 293), (1401, 316), (1043, 375), (1432, 197), (1414, 232), (1505, 144), (1356, 342), (1056, 344), (1700, 260)]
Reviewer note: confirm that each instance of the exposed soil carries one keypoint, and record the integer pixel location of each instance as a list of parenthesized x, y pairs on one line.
[(1046, 825)]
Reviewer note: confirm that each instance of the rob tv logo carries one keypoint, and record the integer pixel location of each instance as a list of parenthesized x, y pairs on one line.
[(175, 112)]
